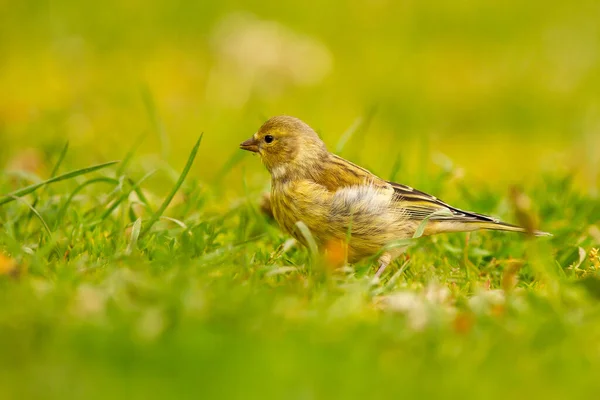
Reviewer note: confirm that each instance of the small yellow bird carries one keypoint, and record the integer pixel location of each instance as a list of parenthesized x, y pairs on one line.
[(340, 201)]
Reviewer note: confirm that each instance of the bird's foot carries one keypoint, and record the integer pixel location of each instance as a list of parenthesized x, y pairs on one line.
[(383, 261)]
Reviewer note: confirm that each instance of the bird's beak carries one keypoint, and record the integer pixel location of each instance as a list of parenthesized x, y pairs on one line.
[(250, 145)]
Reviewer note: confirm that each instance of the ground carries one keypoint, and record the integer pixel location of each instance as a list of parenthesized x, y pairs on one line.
[(161, 276)]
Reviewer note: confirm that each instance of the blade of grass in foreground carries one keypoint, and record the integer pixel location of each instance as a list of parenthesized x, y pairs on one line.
[(61, 158), (37, 214), (122, 197), (32, 188), (64, 207), (157, 124), (135, 234), (178, 184), (129, 156), (421, 228)]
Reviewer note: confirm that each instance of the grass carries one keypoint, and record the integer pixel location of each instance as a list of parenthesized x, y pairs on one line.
[(214, 301), (159, 276)]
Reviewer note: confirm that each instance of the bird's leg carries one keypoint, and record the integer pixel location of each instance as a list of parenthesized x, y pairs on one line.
[(383, 262), (387, 257)]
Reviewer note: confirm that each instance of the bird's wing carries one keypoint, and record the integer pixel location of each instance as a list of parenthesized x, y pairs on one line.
[(412, 204), (415, 204), (339, 173), (418, 205)]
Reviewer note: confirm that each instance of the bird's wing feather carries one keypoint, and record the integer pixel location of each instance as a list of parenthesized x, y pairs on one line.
[(341, 173), (411, 203), (419, 205), (415, 205)]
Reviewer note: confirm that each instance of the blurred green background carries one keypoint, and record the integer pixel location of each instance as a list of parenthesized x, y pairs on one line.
[(464, 99), (505, 89)]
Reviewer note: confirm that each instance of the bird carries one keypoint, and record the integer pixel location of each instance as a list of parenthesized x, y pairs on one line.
[(338, 200)]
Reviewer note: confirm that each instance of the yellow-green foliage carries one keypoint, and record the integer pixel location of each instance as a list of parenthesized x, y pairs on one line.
[(160, 278)]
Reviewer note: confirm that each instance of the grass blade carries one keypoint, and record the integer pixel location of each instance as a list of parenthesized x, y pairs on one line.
[(396, 168), (310, 240), (141, 195), (63, 209), (175, 221), (361, 124), (234, 160), (339, 147), (135, 234), (129, 156), (123, 196), (178, 184), (36, 213), (157, 124), (61, 158), (32, 188), (421, 228)]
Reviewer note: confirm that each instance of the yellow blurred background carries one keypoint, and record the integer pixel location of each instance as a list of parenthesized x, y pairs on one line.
[(503, 91)]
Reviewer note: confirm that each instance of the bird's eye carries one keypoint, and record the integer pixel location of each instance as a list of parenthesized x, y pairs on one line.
[(269, 138)]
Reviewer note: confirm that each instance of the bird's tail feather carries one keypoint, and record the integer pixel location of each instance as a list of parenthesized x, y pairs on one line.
[(462, 225), (502, 226)]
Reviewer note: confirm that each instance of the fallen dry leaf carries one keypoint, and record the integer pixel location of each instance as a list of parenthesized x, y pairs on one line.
[(8, 265)]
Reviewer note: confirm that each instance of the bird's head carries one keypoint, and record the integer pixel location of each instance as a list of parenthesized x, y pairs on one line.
[(287, 145)]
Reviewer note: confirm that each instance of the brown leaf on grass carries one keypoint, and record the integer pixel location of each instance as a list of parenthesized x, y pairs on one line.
[(487, 285), (8, 265), (510, 277), (498, 310), (463, 323), (523, 209)]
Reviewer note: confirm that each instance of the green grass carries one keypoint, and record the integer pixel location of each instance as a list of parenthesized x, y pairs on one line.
[(213, 302), (160, 277)]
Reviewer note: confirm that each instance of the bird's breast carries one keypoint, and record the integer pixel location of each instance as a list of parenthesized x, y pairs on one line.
[(295, 201)]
